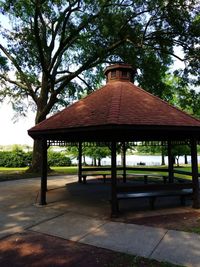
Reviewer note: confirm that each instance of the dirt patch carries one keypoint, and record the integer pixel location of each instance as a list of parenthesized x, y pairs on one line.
[(39, 250), (187, 221)]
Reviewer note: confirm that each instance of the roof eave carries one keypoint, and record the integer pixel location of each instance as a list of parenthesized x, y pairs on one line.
[(118, 132)]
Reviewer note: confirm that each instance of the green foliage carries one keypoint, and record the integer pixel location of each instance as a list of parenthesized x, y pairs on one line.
[(190, 102), (58, 159), (72, 151), (54, 47), (97, 152), (177, 151), (15, 158), (149, 150), (50, 45)]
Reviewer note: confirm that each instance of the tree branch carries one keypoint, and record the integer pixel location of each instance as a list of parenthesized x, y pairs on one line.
[(59, 22), (67, 42), (38, 39), (91, 62), (19, 84), (165, 52), (21, 73), (87, 84)]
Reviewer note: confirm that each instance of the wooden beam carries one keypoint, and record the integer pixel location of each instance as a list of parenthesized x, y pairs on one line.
[(114, 204), (43, 174), (80, 162), (195, 180), (170, 162)]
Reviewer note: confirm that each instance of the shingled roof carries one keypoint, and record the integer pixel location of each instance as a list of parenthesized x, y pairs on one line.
[(117, 104)]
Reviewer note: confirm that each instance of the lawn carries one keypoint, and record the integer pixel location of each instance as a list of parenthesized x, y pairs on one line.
[(21, 173)]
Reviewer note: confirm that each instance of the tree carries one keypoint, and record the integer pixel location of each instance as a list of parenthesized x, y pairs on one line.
[(177, 151), (52, 47), (190, 101), (183, 97), (180, 150), (97, 153)]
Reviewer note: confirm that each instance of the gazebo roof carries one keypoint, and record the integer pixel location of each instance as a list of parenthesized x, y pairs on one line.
[(119, 105)]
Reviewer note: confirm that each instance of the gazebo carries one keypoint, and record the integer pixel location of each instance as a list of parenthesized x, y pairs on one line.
[(120, 112)]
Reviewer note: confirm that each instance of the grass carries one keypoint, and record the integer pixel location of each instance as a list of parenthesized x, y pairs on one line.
[(5, 169), (135, 261), (21, 173), (195, 230), (72, 170)]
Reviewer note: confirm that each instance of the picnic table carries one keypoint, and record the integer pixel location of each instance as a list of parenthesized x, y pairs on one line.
[(153, 191), (105, 172)]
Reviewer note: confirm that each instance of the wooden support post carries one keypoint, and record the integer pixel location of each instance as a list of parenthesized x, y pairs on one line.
[(80, 162), (124, 161), (43, 174), (195, 180), (114, 203), (170, 163)]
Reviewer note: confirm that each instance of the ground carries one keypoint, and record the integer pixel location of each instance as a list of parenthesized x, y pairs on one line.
[(41, 250), (38, 250), (185, 221)]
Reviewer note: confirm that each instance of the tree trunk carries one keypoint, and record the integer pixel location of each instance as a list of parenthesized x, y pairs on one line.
[(186, 160), (84, 161), (163, 155), (36, 166), (99, 162), (40, 116), (163, 159), (122, 156), (177, 161)]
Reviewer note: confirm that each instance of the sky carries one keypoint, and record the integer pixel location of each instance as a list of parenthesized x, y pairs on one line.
[(14, 132)]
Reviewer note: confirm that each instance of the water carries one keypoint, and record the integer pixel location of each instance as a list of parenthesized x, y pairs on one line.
[(134, 160)]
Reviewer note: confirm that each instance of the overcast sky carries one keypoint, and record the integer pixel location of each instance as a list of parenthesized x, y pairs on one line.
[(14, 133)]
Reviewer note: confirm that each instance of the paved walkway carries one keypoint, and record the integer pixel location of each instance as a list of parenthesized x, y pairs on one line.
[(69, 218)]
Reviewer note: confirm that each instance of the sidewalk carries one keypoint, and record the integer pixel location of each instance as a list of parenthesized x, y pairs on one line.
[(72, 220), (164, 245)]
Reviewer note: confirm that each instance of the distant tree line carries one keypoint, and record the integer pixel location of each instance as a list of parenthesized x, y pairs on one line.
[(177, 151), (18, 158)]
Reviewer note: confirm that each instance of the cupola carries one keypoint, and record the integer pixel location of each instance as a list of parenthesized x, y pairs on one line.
[(119, 72)]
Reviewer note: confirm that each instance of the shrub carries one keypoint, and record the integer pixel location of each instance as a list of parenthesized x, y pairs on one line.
[(19, 158), (58, 159), (16, 158)]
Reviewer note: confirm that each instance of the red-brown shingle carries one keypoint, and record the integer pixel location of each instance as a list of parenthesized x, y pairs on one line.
[(118, 103)]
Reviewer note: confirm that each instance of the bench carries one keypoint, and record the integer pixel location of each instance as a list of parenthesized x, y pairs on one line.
[(146, 176), (131, 175), (153, 191), (84, 176)]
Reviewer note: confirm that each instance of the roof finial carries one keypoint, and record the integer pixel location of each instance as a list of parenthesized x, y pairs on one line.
[(119, 72)]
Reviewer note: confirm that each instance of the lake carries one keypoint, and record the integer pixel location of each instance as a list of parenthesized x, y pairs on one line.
[(134, 160)]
